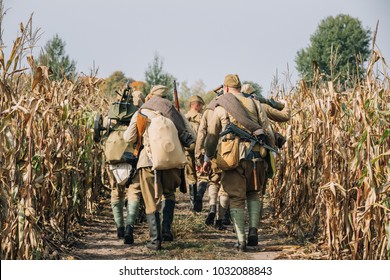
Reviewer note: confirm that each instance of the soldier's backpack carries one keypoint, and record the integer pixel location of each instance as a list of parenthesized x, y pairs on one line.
[(165, 147), (114, 147)]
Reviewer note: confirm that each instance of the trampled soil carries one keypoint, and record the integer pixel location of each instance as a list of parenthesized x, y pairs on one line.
[(97, 239)]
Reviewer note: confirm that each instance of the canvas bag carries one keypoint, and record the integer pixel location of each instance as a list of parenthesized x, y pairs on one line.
[(228, 154), (115, 146), (165, 147)]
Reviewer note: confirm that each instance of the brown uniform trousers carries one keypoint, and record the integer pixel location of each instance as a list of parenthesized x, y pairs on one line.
[(192, 177), (215, 189), (121, 193), (167, 182)]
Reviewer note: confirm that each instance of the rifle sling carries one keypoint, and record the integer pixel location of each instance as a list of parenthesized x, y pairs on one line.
[(234, 107)]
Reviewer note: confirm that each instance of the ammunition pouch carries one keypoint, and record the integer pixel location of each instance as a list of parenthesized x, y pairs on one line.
[(228, 154)]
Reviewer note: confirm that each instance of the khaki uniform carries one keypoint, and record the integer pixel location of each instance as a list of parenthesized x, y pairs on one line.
[(215, 190), (168, 180), (276, 115), (194, 119), (243, 175), (214, 177), (120, 192), (239, 182)]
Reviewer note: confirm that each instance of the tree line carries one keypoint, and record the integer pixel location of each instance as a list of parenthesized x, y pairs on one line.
[(338, 50)]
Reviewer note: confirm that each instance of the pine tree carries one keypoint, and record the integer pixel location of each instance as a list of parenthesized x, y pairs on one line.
[(54, 57)]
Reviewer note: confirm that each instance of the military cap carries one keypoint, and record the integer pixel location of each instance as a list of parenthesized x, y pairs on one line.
[(196, 98), (159, 90), (248, 89), (232, 80)]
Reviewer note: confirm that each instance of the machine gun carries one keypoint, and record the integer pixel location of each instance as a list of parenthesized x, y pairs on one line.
[(232, 128), (121, 111)]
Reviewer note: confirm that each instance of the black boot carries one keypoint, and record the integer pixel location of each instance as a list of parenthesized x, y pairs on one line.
[(193, 193), (253, 238), (120, 232), (129, 239), (198, 202), (227, 219), (219, 225), (154, 231), (211, 216), (168, 208)]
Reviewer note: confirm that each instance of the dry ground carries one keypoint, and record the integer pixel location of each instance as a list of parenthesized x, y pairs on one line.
[(193, 239)]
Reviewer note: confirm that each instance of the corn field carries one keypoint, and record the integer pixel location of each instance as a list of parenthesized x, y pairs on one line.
[(332, 182), (50, 169), (333, 176)]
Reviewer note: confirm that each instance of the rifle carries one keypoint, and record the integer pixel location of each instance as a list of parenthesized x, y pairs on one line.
[(232, 128), (271, 102), (175, 96), (217, 90), (183, 186)]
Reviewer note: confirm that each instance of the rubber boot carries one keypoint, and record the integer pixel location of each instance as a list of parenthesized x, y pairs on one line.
[(132, 212), (254, 219), (117, 211), (154, 231), (168, 208), (238, 218), (198, 202), (211, 216)]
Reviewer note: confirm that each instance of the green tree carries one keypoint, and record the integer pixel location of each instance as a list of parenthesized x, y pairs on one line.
[(53, 56), (185, 90), (337, 49), (256, 86), (115, 82), (156, 75)]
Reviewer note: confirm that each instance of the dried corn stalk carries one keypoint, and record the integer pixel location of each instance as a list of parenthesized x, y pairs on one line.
[(333, 179)]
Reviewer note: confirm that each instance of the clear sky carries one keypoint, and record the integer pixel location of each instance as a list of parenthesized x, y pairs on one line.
[(198, 39)]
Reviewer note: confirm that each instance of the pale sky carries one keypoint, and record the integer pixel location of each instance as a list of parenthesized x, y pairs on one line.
[(198, 39)]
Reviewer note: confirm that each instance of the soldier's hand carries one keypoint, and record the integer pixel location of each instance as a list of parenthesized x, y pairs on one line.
[(206, 167)]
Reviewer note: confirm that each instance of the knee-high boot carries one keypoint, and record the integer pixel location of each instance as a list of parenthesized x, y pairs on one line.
[(117, 211), (154, 224), (198, 202), (238, 219), (168, 208), (193, 193), (132, 212), (254, 207)]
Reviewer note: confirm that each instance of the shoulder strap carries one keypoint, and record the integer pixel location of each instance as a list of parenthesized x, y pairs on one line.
[(231, 104), (141, 124)]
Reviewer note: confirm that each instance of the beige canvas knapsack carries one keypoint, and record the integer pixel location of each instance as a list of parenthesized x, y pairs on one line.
[(115, 146), (165, 147)]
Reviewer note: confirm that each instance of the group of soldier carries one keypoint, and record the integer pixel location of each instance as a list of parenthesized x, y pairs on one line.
[(230, 187)]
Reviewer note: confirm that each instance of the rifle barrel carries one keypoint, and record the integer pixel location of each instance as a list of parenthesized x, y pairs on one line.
[(175, 96)]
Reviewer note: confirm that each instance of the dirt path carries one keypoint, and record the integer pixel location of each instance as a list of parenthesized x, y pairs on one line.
[(193, 239)]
